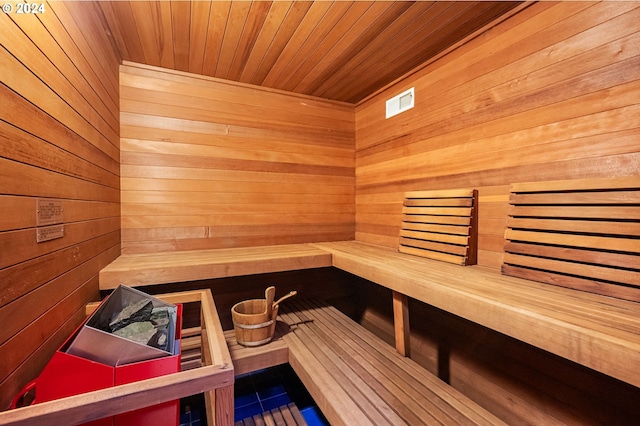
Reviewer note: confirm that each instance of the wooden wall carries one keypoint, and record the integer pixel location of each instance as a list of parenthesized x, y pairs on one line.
[(59, 138), (552, 93), (209, 164)]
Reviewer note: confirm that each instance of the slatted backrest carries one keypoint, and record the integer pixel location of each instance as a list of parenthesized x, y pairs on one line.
[(440, 225), (583, 234)]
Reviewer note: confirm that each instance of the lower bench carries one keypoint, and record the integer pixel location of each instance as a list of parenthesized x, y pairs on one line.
[(355, 377)]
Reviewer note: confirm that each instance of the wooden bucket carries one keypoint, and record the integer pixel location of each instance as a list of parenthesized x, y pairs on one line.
[(252, 323)]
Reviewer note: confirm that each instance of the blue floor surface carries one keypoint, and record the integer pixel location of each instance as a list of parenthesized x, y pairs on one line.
[(266, 389), (256, 393)]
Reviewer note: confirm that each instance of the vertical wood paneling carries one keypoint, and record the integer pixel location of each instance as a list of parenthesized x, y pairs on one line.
[(208, 164), (59, 138), (550, 94)]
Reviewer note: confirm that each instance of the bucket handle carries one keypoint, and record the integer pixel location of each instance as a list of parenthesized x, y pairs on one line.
[(20, 396), (286, 296)]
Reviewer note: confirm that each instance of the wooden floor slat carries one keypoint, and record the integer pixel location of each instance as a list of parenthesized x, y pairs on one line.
[(337, 358)]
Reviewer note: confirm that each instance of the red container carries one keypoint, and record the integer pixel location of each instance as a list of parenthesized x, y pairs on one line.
[(67, 375)]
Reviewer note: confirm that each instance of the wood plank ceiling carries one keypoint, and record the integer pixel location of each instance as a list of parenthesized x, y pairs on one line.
[(342, 50)]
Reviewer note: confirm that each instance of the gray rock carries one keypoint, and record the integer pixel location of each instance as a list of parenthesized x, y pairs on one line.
[(139, 332), (136, 312)]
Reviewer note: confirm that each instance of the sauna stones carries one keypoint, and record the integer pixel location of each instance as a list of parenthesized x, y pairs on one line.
[(137, 312), (142, 323)]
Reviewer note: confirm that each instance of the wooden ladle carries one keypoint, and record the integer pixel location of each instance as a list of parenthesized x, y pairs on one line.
[(286, 296), (269, 294)]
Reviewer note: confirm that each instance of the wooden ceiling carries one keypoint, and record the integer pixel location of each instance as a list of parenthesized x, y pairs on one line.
[(342, 50)]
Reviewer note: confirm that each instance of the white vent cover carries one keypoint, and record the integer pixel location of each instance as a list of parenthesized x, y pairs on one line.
[(400, 103)]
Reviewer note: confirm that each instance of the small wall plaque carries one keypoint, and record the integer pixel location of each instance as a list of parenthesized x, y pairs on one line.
[(48, 211), (47, 233)]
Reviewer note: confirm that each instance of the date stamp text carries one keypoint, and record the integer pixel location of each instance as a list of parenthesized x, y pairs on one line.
[(24, 8)]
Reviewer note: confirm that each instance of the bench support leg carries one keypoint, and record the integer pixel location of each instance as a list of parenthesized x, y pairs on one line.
[(401, 323)]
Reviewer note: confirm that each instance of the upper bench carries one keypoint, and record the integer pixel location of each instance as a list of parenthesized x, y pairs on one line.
[(170, 267), (597, 331)]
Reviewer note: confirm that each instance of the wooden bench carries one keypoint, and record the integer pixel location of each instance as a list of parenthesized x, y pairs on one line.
[(354, 377), (600, 332), (250, 359), (143, 269)]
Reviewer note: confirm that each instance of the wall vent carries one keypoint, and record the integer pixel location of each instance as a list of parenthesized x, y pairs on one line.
[(400, 103)]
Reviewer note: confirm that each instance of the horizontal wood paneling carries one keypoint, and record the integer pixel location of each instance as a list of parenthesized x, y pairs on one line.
[(59, 138), (550, 94), (211, 164)]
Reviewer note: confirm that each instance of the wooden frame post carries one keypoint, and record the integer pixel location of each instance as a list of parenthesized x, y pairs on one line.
[(401, 323)]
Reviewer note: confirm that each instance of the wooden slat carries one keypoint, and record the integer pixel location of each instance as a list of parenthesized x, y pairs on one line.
[(437, 211), (297, 415), (576, 226), (445, 220), (437, 237), (436, 255), (613, 259), (580, 212), (409, 243), (460, 251), (577, 197), (627, 277), (617, 183), (573, 282), (582, 231), (427, 225), (585, 241), (436, 228), (426, 202), (439, 195)]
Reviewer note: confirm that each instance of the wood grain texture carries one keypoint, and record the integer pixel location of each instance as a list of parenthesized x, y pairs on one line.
[(583, 234), (549, 94), (337, 50), (249, 359), (356, 378), (59, 138), (145, 269), (210, 164), (441, 225), (599, 332), (517, 382)]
